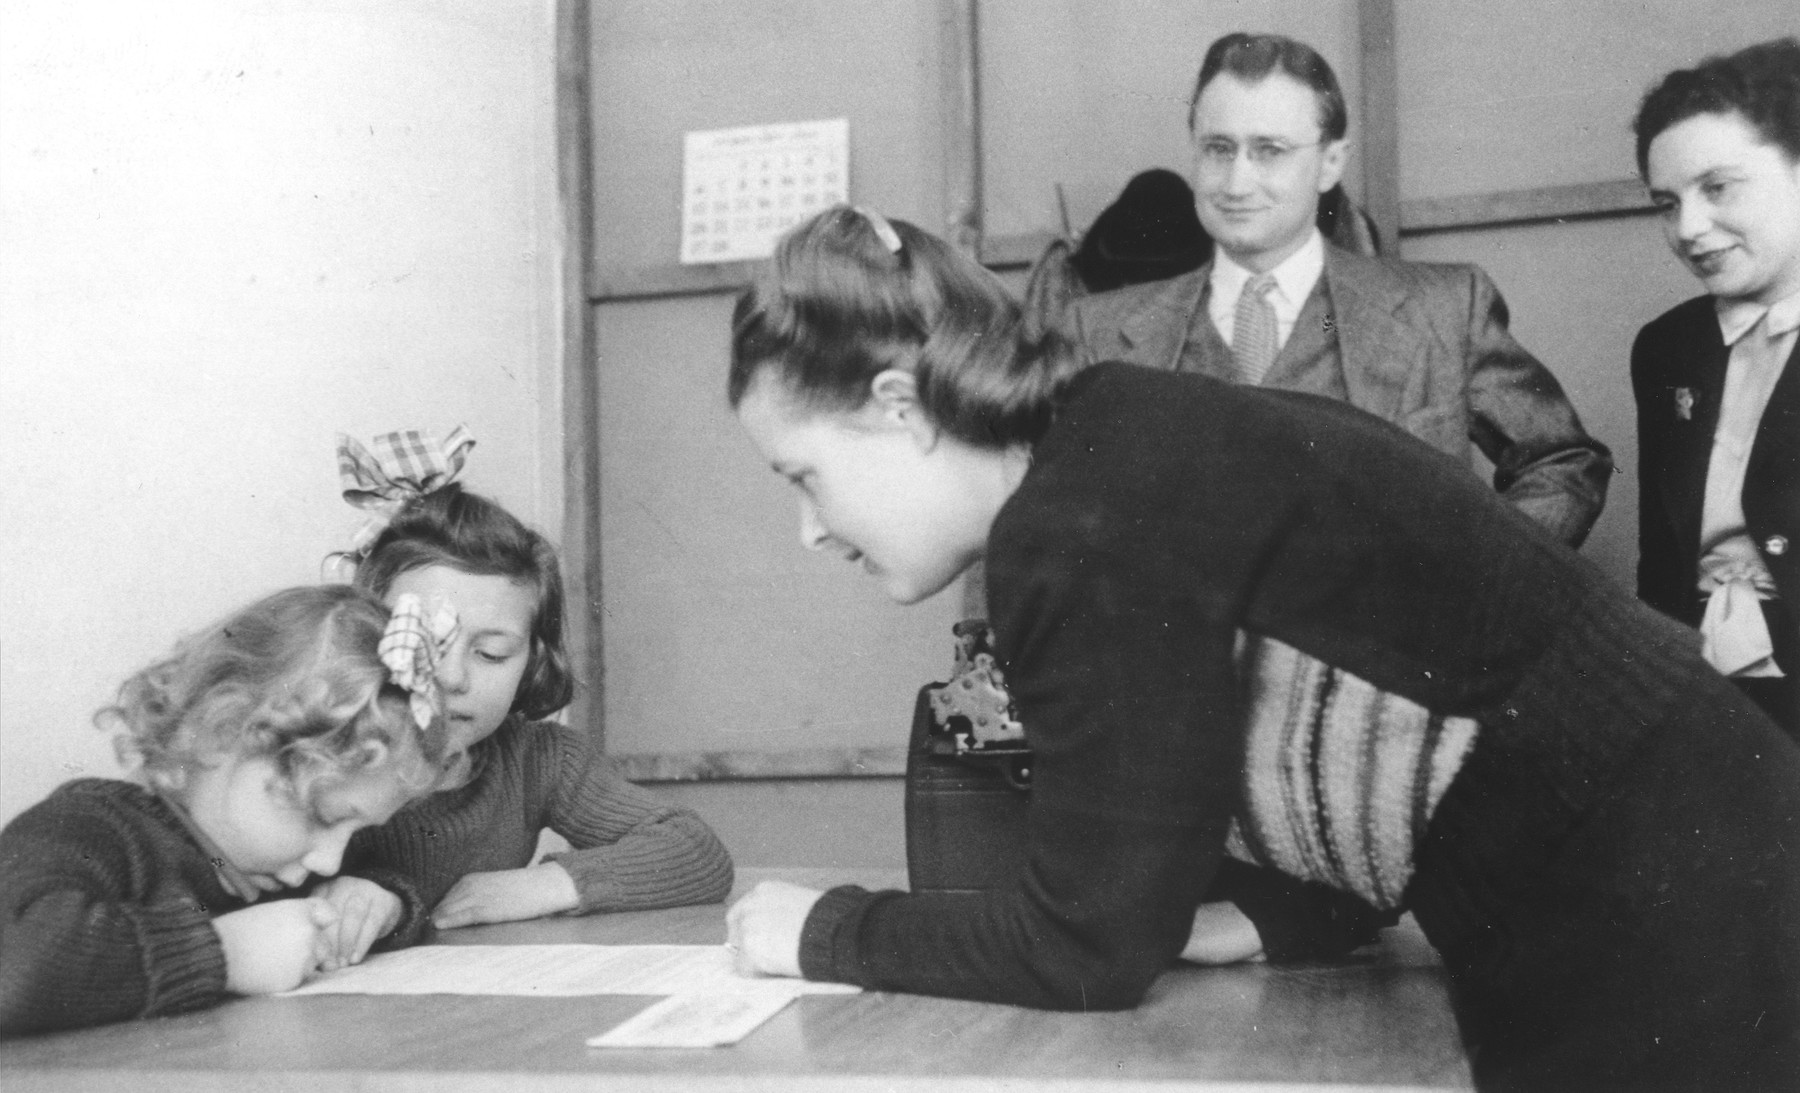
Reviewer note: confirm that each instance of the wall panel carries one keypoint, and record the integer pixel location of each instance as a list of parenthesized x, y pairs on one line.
[(1523, 112), (662, 69), (721, 634), (1541, 92), (1090, 94)]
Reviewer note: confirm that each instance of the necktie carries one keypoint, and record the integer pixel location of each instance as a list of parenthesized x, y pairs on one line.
[(1253, 330)]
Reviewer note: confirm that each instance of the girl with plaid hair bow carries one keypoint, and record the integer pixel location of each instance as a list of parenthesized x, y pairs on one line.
[(258, 748), (469, 853)]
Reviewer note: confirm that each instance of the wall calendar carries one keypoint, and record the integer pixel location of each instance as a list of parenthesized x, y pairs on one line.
[(741, 188)]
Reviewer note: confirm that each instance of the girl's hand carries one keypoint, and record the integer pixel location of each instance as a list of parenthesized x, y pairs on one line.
[(271, 947), (507, 896), (1222, 934), (366, 913), (763, 929)]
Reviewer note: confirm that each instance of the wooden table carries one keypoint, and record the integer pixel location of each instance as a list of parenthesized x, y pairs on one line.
[(1380, 1022)]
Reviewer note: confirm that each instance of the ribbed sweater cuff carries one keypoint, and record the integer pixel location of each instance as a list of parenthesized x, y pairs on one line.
[(601, 882), (184, 960), (638, 873), (828, 940), (415, 918)]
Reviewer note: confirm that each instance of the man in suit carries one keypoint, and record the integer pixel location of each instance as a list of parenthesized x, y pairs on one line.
[(1716, 378), (1423, 346)]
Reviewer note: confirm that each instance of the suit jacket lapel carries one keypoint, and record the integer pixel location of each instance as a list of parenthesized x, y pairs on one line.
[(1772, 480), (1380, 349), (1691, 407), (1155, 332)]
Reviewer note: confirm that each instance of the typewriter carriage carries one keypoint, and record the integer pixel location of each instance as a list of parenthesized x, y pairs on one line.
[(968, 775)]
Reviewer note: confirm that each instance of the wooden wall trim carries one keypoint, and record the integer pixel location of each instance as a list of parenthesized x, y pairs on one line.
[(1422, 216), (1418, 216), (1618, 197), (1015, 251), (661, 282), (1380, 122), (665, 282), (959, 97), (736, 766), (580, 378)]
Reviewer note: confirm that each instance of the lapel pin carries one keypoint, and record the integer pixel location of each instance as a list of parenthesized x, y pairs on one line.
[(1684, 403)]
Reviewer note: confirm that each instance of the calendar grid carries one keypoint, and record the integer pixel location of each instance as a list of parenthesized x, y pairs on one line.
[(743, 187)]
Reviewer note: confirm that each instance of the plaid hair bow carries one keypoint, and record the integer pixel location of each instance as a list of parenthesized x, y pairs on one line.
[(402, 467), (411, 647)]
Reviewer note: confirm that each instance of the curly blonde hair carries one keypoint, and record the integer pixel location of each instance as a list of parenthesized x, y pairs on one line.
[(294, 677)]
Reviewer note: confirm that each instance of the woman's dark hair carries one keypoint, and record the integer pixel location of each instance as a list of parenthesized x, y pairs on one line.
[(1252, 57), (469, 533), (838, 305), (1760, 83)]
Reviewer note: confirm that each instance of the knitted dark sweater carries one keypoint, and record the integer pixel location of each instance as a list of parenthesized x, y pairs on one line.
[(106, 908), (628, 850), (1161, 515)]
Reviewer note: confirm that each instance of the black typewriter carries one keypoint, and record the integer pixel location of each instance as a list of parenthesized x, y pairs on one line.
[(968, 775)]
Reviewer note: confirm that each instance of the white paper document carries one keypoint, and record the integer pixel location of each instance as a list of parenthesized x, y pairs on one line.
[(551, 971), (695, 1020)]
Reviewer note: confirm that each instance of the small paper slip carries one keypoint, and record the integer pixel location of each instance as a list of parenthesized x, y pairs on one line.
[(549, 971), (695, 1020)]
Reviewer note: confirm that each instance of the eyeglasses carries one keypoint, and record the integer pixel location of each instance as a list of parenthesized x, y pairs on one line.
[(1219, 153)]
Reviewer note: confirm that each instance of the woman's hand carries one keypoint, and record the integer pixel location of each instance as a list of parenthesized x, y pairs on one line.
[(1222, 934), (507, 896), (272, 947), (763, 929), (366, 913)]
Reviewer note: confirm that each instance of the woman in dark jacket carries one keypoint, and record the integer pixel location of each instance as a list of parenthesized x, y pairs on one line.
[(1254, 623), (1717, 378)]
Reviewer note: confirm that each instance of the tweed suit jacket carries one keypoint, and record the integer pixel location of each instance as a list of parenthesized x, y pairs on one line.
[(1424, 346), (1678, 376)]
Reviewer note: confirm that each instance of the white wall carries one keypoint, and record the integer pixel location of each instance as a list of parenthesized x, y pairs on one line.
[(228, 230)]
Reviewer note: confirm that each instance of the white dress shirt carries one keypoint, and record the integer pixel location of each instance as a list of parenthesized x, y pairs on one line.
[(1294, 281), (1736, 636)]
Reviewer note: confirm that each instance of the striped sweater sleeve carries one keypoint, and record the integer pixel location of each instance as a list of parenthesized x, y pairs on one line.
[(629, 850)]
